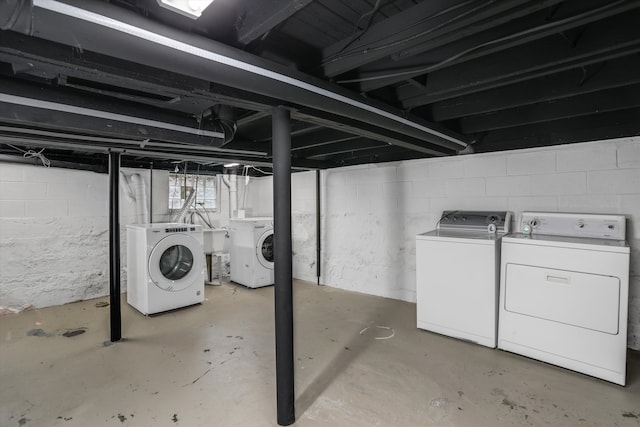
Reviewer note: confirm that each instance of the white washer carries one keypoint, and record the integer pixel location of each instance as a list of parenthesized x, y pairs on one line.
[(564, 292), (165, 266), (457, 275), (251, 251)]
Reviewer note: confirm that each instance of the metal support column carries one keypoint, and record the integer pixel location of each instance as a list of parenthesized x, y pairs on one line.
[(318, 271), (281, 148), (114, 246)]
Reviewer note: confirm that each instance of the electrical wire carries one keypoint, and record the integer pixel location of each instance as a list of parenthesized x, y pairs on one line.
[(31, 154), (440, 64), (261, 171), (353, 37), (366, 49)]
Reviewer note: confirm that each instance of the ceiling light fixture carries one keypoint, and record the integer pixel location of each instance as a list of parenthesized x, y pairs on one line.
[(190, 8), (231, 165)]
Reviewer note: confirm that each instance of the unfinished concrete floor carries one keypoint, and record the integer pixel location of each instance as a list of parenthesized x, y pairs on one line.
[(213, 365)]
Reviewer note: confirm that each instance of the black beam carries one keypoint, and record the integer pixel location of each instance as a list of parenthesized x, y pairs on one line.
[(598, 77), (341, 147), (617, 124), (374, 155), (283, 266), (622, 98), (422, 27), (114, 247), (127, 80), (513, 33), (259, 18), (321, 137), (163, 47), (372, 132), (608, 39), (29, 104)]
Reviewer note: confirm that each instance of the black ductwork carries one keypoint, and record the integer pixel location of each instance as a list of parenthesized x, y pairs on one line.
[(15, 15), (223, 118), (109, 30)]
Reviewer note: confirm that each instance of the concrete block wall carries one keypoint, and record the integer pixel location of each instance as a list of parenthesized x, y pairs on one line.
[(371, 214), (54, 236)]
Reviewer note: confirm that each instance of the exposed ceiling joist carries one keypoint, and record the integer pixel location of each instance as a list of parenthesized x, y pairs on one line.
[(598, 77), (350, 146), (104, 29), (585, 128), (378, 134), (621, 37), (513, 33), (583, 105), (425, 26), (260, 17)]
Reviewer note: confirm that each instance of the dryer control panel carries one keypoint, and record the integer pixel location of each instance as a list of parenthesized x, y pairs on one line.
[(574, 225), (492, 221)]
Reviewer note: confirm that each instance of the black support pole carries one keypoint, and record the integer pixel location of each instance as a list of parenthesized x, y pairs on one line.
[(114, 246), (281, 145), (318, 271)]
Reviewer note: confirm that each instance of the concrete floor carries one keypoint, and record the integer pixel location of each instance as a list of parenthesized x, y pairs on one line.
[(213, 365)]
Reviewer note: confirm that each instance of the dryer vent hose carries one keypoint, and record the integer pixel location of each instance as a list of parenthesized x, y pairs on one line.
[(179, 216)]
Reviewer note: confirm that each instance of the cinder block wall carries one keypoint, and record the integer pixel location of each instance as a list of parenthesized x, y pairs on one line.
[(371, 214), (54, 237)]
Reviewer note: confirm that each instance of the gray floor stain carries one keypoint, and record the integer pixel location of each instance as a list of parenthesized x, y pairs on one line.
[(74, 332), (38, 333)]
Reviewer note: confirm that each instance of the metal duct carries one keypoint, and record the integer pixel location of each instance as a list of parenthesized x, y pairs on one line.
[(104, 28)]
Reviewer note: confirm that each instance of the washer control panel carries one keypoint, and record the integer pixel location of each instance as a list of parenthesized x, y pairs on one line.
[(574, 225), (491, 221)]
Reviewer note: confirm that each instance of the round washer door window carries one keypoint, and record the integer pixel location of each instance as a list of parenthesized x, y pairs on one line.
[(174, 263), (264, 249)]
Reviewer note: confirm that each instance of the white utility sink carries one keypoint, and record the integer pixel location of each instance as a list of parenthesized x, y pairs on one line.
[(216, 240)]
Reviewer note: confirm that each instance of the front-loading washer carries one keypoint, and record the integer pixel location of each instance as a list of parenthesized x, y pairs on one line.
[(165, 266), (251, 251), (457, 275), (564, 292)]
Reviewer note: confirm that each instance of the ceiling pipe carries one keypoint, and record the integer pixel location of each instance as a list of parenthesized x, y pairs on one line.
[(104, 28)]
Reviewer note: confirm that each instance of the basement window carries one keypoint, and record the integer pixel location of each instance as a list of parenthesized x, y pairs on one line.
[(181, 186)]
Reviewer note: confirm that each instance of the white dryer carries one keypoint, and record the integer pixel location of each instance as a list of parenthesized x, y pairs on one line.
[(564, 292), (165, 265), (457, 275), (251, 251)]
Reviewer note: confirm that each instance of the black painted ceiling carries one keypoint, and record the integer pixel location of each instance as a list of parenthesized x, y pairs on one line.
[(499, 75)]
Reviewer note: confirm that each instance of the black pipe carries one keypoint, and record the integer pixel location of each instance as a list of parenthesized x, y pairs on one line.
[(114, 246), (281, 145), (318, 225)]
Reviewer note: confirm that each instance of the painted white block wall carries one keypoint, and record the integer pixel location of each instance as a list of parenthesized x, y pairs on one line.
[(54, 234), (371, 214), (54, 237)]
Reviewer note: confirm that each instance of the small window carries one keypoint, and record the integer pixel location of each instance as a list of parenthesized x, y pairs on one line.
[(181, 185)]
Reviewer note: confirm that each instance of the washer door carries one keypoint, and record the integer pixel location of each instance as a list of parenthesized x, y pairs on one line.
[(264, 249), (175, 261)]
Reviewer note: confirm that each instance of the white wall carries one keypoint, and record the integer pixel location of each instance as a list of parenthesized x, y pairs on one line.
[(54, 236), (371, 214)]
